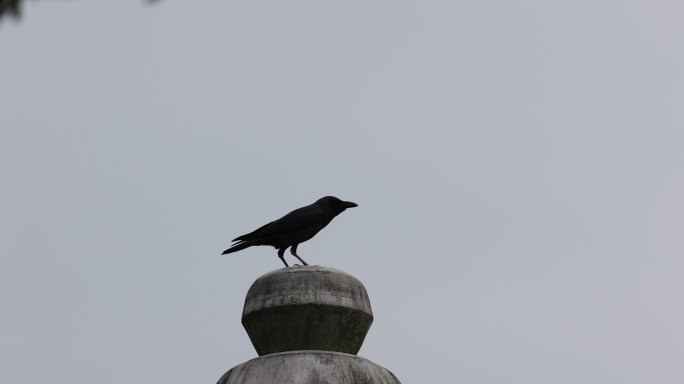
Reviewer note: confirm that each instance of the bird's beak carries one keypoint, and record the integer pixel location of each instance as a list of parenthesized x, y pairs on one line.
[(349, 204)]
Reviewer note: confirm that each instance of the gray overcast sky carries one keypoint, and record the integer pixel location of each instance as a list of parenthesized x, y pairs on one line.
[(517, 165)]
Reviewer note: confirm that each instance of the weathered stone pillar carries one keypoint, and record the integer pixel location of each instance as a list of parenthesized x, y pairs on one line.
[(307, 324)]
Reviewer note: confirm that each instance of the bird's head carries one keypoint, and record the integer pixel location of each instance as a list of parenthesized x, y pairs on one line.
[(334, 205)]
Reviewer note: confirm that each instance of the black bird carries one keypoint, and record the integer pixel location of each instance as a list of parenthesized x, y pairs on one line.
[(294, 228)]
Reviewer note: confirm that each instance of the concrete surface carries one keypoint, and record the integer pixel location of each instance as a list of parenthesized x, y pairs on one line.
[(309, 367), (307, 308)]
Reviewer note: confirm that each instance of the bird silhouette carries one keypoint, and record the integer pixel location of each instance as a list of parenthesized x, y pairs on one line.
[(294, 228)]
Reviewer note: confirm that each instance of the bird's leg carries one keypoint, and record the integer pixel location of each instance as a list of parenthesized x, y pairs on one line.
[(293, 251), (281, 252)]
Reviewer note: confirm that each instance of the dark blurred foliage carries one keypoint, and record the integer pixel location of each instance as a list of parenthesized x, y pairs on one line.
[(13, 8), (10, 8)]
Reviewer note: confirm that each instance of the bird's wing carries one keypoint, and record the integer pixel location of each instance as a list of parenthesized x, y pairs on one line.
[(252, 234), (305, 217)]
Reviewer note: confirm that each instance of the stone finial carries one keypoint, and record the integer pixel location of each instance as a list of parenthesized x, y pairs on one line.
[(307, 308)]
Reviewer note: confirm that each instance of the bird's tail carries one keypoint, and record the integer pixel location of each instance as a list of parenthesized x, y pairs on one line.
[(237, 247)]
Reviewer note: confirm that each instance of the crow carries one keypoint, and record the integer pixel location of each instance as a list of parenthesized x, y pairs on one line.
[(294, 228)]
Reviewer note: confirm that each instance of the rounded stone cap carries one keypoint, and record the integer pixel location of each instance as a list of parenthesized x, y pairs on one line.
[(309, 367), (307, 308)]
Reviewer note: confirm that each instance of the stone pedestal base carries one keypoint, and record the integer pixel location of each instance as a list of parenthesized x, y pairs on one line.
[(309, 367)]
